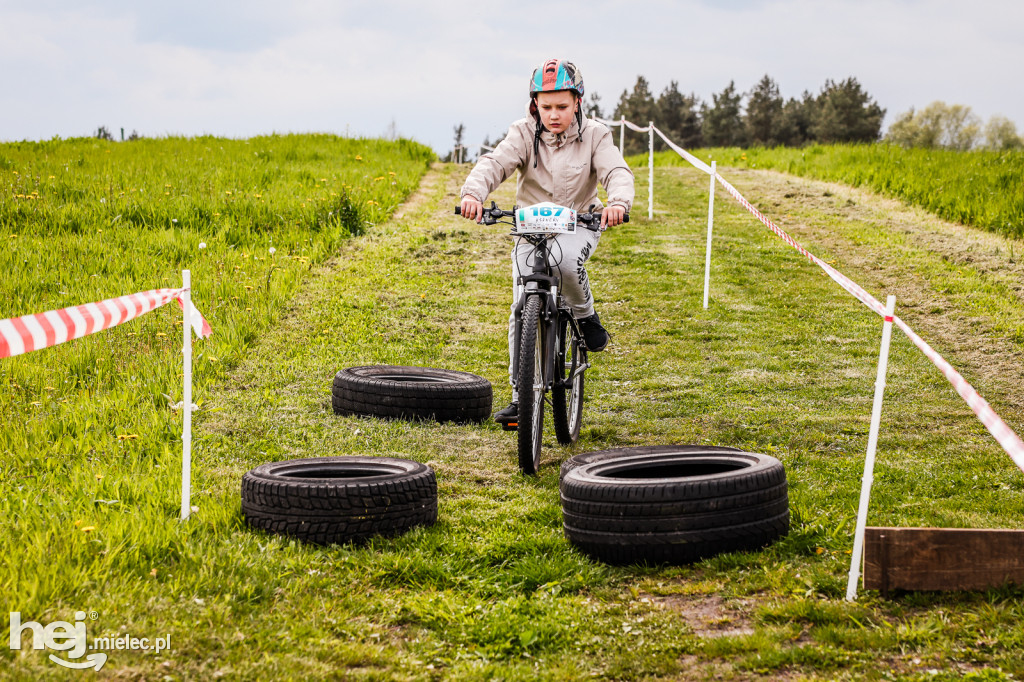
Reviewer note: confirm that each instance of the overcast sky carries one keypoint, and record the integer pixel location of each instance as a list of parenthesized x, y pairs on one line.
[(238, 69)]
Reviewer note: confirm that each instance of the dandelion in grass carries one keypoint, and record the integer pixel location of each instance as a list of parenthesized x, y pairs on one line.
[(272, 250), (202, 245), (88, 529)]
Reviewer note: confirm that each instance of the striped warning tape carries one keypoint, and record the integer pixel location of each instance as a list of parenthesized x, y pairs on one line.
[(33, 332), (993, 422), (628, 124)]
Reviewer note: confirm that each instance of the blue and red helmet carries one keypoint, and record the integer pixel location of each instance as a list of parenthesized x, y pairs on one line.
[(554, 75)]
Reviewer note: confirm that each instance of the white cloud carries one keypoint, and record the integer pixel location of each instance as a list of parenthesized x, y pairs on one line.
[(313, 65)]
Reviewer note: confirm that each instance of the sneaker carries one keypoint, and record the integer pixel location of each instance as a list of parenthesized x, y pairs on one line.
[(509, 417), (594, 335)]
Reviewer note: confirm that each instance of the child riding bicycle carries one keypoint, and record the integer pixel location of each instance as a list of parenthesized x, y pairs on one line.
[(561, 156)]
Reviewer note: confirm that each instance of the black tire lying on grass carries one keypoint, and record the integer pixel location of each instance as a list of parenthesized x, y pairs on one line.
[(326, 500), (617, 453), (672, 504), (397, 392)]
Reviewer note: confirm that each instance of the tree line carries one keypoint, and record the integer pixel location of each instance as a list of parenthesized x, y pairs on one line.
[(841, 112)]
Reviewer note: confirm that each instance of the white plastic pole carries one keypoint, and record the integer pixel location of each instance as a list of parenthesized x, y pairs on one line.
[(622, 135), (186, 429), (869, 460), (650, 174), (711, 222)]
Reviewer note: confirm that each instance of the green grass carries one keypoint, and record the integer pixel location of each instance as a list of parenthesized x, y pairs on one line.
[(87, 439), (980, 188), (783, 362)]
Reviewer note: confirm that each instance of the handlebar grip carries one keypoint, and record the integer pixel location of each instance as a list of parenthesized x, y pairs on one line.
[(625, 218), (458, 210)]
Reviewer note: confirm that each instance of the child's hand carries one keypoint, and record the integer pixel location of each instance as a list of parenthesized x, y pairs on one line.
[(610, 216), (471, 208)]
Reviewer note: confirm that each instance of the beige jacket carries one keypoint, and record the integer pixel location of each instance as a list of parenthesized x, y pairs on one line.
[(567, 171)]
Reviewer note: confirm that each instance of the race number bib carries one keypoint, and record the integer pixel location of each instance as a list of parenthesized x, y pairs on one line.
[(545, 218)]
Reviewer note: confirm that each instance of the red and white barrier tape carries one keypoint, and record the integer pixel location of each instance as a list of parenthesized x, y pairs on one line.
[(993, 422), (1006, 437), (628, 124), (33, 332), (694, 161)]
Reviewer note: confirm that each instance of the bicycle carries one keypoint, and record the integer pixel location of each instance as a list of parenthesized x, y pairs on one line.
[(549, 353)]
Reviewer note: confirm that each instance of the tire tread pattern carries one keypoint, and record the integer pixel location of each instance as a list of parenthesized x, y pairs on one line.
[(442, 395), (337, 510), (612, 513)]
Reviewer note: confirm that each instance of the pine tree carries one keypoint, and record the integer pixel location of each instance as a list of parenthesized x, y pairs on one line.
[(797, 119), (846, 113), (677, 116), (765, 114), (593, 107), (639, 108), (723, 122)]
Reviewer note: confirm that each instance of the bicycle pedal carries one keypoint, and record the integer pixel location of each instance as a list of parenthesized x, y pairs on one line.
[(510, 426)]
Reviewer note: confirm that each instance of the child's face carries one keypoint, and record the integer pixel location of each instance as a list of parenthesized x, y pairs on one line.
[(556, 109)]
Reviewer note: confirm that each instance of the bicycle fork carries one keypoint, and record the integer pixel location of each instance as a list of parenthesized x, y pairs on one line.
[(548, 315)]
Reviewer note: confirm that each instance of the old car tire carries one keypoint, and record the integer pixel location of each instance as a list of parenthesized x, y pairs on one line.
[(398, 392), (325, 500), (674, 504)]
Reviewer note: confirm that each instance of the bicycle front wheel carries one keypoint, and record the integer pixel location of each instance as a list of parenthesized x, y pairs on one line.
[(567, 393), (530, 385)]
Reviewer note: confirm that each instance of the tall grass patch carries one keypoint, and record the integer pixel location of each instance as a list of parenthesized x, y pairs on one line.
[(89, 442), (980, 188)]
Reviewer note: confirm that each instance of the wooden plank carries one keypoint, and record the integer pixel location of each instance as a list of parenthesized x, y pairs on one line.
[(942, 559)]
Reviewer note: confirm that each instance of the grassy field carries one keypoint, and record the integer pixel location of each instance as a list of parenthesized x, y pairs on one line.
[(980, 188), (88, 445), (783, 362)]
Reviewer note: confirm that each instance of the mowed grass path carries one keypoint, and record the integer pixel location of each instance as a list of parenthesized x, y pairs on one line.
[(783, 362)]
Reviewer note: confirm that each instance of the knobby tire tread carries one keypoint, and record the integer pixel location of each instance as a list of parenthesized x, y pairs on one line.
[(561, 398), (528, 463)]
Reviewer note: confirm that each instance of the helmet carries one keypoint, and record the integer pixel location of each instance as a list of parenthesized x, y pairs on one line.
[(556, 74)]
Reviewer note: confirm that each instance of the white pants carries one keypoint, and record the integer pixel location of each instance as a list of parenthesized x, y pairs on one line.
[(568, 255)]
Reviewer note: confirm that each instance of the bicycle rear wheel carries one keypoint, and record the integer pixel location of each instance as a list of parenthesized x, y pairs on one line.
[(567, 393), (530, 385)]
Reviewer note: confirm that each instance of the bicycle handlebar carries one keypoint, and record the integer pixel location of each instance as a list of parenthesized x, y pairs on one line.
[(591, 221)]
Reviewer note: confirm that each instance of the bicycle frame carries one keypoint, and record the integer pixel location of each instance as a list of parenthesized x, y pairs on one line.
[(542, 282), (553, 334)]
